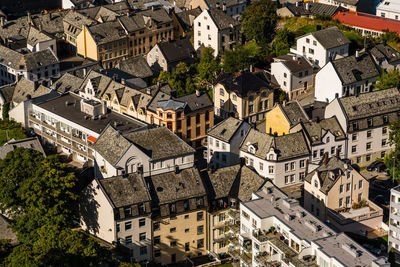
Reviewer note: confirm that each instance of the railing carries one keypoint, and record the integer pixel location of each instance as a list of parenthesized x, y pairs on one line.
[(234, 214), (339, 218), (246, 257)]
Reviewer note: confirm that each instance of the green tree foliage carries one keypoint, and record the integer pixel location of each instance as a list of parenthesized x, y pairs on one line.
[(5, 249), (10, 130), (5, 111), (392, 160), (208, 65), (181, 80), (241, 57), (284, 39), (259, 21), (388, 79)]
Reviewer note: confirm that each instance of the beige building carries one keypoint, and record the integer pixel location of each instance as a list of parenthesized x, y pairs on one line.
[(337, 193)]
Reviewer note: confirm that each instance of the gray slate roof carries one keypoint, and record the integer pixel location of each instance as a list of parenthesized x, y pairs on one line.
[(351, 69), (194, 102), (32, 143), (170, 104), (107, 32), (295, 63), (126, 191), (29, 61), (314, 9), (383, 52), (226, 129), (67, 82), (136, 66), (316, 130), (25, 90), (287, 146), (35, 36), (228, 3), (186, 18), (7, 92), (177, 50), (140, 19), (244, 83), (330, 37), (222, 20), (294, 112)]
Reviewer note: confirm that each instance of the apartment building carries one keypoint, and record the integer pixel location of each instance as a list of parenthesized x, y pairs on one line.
[(276, 230), (216, 29), (183, 22), (294, 74), (149, 151), (118, 210), (394, 220), (283, 117), (230, 186), (179, 215), (243, 95), (279, 158), (323, 136), (337, 193), (322, 45), (365, 120), (388, 9), (224, 140), (351, 75)]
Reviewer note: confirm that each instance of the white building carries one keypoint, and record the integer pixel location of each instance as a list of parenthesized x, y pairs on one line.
[(38, 40), (365, 119), (277, 230), (215, 29), (293, 73), (351, 75), (394, 220), (280, 158), (322, 46), (76, 4), (224, 140), (388, 9)]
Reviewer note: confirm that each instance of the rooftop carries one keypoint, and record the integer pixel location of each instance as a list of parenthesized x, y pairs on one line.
[(30, 61), (36, 36), (136, 66), (244, 83), (195, 102), (383, 52), (186, 17), (295, 63), (31, 143), (389, 5), (313, 9), (294, 112), (67, 82), (330, 37), (317, 130), (177, 50), (226, 129), (222, 20), (25, 90)]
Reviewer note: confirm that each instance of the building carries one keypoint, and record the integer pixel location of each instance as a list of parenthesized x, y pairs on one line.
[(166, 55), (365, 119), (71, 123), (366, 24), (179, 215), (28, 143), (394, 220), (353, 5), (243, 95), (283, 117), (351, 75), (323, 136), (224, 140), (294, 74), (388, 9), (229, 186), (137, 67), (233, 8), (118, 211), (216, 29), (183, 22), (276, 230), (6, 94), (39, 40), (322, 45), (75, 4), (37, 66), (385, 56), (308, 9), (282, 159)]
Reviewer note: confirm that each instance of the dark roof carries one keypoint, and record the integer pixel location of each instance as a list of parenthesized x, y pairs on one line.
[(294, 112), (136, 66), (25, 89), (226, 129), (383, 52), (66, 83), (313, 9), (32, 143), (173, 186), (177, 50), (107, 32), (99, 81), (316, 130), (126, 191), (73, 113), (222, 20), (36, 36), (228, 3), (141, 19), (295, 63), (7, 92), (244, 82), (194, 102), (159, 143), (352, 69), (330, 37), (186, 18)]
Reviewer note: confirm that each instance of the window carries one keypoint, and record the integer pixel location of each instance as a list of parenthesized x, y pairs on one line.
[(341, 189), (222, 92), (270, 169), (200, 216), (118, 228), (128, 226), (355, 125), (360, 184), (285, 75), (200, 243), (216, 143), (341, 202), (307, 40), (156, 226), (172, 229), (157, 240), (315, 153), (199, 24), (198, 33), (200, 230), (301, 176), (358, 160), (142, 236), (384, 130), (286, 179), (143, 251), (348, 185), (311, 51), (221, 217), (383, 142), (209, 37), (142, 223), (286, 167), (347, 201), (128, 240), (221, 103), (369, 134), (251, 108), (127, 212), (187, 246), (383, 154), (321, 153), (187, 230), (302, 163), (369, 122), (332, 150), (314, 42), (292, 165), (368, 157), (354, 137), (172, 244), (157, 253), (353, 149), (368, 146), (261, 166), (359, 197)]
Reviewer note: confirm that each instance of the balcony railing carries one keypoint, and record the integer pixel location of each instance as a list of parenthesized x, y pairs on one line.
[(346, 218), (246, 257)]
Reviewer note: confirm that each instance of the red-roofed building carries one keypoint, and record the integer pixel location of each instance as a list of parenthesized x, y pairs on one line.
[(367, 24)]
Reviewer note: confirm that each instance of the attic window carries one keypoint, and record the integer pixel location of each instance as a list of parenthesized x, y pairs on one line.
[(354, 108)]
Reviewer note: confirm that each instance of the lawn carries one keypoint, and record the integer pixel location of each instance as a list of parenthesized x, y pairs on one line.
[(12, 129)]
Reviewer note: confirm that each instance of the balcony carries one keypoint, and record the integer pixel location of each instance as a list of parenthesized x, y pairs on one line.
[(247, 245), (234, 214), (246, 257), (350, 215)]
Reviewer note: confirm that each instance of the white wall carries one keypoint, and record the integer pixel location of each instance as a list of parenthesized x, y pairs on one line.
[(156, 58), (201, 33), (327, 84)]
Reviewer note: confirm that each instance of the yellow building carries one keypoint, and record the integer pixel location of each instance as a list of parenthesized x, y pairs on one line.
[(280, 119)]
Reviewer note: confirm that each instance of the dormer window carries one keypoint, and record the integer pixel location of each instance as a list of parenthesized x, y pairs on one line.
[(252, 149), (315, 183)]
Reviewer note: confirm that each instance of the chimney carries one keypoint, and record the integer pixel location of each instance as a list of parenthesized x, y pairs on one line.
[(224, 6), (217, 5), (307, 6), (122, 81), (357, 53), (2, 22), (197, 92), (29, 18), (325, 158)]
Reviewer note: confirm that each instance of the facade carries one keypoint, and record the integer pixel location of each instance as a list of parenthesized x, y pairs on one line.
[(388, 9), (224, 140), (337, 193), (183, 22), (243, 95), (394, 220), (294, 74), (216, 29), (365, 120), (282, 158), (282, 118), (275, 230), (351, 75), (322, 46)]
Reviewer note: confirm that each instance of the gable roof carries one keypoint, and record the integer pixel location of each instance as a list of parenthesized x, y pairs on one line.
[(313, 9), (67, 82), (29, 61), (295, 63), (221, 19), (293, 112), (195, 102), (31, 143), (186, 17), (177, 50), (226, 129), (7, 92), (244, 83), (35, 36), (330, 37), (99, 81), (385, 52), (316, 130), (136, 66), (25, 89)]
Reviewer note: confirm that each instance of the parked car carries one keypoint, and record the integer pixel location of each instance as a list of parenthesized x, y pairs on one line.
[(371, 167), (380, 167)]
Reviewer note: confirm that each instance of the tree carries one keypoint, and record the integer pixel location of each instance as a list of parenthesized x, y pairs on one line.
[(180, 80), (392, 160), (388, 79), (5, 111), (208, 66), (284, 39), (239, 58), (259, 21)]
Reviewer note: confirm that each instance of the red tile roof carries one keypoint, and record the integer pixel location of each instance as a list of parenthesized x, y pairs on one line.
[(367, 21)]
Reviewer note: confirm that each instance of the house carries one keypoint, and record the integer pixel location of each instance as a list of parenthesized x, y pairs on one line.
[(73, 23), (148, 151), (66, 83), (283, 117), (166, 55), (216, 29), (224, 140), (229, 186), (137, 67), (37, 66), (307, 9), (294, 74), (282, 159), (353, 5), (322, 45), (233, 8), (388, 9), (337, 193), (385, 56), (351, 75), (275, 228), (183, 22), (394, 220), (179, 219), (323, 136), (39, 40), (366, 24), (243, 95), (28, 143), (365, 119)]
